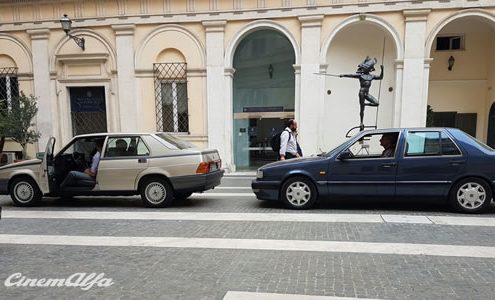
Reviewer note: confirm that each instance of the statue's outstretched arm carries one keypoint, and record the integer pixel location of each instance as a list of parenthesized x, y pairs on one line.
[(350, 75), (381, 73)]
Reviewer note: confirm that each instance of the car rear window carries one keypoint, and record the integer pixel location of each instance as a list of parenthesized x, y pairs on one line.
[(479, 143), (174, 142)]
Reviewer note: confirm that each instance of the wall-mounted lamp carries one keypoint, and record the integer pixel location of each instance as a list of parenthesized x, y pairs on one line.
[(270, 71), (67, 26), (451, 62)]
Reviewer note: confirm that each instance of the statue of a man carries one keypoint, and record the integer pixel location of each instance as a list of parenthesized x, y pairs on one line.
[(365, 78)]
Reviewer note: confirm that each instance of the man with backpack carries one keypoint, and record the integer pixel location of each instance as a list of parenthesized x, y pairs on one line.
[(287, 142)]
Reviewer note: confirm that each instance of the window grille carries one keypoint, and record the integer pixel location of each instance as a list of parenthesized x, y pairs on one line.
[(171, 97), (9, 87)]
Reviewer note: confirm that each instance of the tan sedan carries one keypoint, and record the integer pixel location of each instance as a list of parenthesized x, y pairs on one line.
[(158, 166)]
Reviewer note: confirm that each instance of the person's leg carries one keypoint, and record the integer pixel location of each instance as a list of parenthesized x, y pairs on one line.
[(73, 177), (372, 100)]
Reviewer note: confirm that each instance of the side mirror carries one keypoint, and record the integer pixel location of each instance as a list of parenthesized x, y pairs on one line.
[(346, 154)]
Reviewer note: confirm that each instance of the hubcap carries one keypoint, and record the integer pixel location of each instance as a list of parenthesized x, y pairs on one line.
[(471, 195), (24, 192), (156, 192), (298, 193)]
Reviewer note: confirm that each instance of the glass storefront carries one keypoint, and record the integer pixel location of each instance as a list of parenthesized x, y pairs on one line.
[(264, 89)]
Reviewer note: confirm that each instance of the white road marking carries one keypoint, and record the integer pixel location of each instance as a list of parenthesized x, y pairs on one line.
[(406, 219), (232, 188), (191, 216), (202, 195), (234, 295), (251, 217), (253, 244)]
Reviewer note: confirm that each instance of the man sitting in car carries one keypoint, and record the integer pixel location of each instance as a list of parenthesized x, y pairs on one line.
[(86, 178), (388, 142)]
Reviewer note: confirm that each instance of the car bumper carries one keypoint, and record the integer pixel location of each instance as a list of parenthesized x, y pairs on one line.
[(197, 183), (266, 190), (4, 186)]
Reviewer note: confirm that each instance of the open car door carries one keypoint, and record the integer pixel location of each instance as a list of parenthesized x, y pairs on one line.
[(46, 169)]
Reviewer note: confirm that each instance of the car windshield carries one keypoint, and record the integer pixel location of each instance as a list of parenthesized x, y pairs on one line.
[(174, 142)]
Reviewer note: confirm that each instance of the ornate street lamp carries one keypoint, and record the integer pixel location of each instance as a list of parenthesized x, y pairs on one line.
[(67, 26)]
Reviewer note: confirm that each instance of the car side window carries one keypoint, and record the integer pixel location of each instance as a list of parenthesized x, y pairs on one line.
[(126, 146), (376, 145), (430, 143)]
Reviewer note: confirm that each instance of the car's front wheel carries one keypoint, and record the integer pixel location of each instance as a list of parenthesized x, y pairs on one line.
[(471, 195), (298, 193), (156, 192), (25, 192)]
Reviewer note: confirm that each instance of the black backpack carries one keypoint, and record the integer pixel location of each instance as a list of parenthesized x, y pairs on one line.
[(275, 141)]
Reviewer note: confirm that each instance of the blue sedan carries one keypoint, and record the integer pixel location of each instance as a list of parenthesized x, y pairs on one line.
[(441, 163)]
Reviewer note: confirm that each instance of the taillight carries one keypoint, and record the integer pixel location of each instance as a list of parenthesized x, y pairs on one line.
[(203, 168)]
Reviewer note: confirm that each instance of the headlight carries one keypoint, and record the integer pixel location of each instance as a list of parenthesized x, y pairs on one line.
[(259, 174)]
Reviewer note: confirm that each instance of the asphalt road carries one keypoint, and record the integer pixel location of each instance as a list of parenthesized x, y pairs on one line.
[(225, 244)]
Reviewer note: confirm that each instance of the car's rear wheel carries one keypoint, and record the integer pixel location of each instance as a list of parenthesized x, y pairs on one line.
[(156, 192), (298, 193), (471, 195), (25, 192)]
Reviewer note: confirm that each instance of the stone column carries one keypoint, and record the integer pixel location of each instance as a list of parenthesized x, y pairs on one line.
[(413, 106), (129, 104), (312, 96), (219, 136), (41, 79)]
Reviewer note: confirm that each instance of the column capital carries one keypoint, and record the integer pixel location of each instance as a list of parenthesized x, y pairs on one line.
[(229, 72), (323, 68), (311, 21), (39, 34), (214, 26), (416, 15), (124, 29), (297, 69)]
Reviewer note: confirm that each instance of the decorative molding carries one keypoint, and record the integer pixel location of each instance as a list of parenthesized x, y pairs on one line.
[(420, 15), (56, 12), (311, 21), (200, 72), (167, 8), (100, 8), (124, 29), (36, 12), (237, 4), (144, 7), (39, 34), (399, 63), (286, 3), (85, 58), (323, 68), (214, 26), (78, 8), (229, 72), (213, 4), (122, 7), (261, 4), (190, 7), (297, 69)]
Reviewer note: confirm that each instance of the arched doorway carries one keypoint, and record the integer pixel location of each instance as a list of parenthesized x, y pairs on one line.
[(263, 94), (461, 72), (491, 127), (347, 48)]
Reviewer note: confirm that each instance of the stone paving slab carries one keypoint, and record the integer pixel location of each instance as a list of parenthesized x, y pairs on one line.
[(357, 232), (148, 273)]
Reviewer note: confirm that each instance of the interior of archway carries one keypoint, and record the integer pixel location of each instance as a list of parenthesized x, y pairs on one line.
[(263, 95), (347, 50), (462, 97)]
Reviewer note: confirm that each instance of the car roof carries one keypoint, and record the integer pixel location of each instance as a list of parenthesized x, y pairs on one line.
[(407, 128), (114, 134)]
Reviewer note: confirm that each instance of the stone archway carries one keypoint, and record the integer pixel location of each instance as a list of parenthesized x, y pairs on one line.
[(342, 51), (462, 71)]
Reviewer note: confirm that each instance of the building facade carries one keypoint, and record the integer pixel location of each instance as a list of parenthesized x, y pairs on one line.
[(225, 74)]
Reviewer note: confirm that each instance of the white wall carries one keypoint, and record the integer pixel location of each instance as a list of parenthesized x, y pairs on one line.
[(346, 51)]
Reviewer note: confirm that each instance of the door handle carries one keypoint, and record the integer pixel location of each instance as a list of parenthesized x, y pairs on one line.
[(389, 165), (456, 162), (142, 160)]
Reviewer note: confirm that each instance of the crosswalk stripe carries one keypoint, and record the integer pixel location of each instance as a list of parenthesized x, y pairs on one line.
[(253, 244), (252, 217), (235, 295)]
